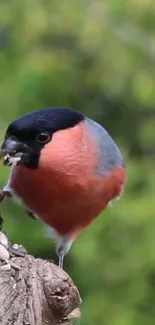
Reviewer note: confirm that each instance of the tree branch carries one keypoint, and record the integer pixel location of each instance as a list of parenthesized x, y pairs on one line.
[(36, 292)]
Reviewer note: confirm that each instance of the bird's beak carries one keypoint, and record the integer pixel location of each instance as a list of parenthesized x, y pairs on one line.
[(9, 146), (12, 151)]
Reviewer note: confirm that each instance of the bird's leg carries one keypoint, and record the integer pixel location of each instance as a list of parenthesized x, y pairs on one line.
[(1, 222), (63, 248), (61, 260), (4, 241), (3, 194)]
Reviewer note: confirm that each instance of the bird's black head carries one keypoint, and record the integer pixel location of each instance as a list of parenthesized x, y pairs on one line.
[(26, 136)]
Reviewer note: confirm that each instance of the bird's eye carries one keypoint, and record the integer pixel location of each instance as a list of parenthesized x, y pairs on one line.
[(43, 137)]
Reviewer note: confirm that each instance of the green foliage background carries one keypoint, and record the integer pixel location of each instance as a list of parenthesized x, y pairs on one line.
[(98, 57)]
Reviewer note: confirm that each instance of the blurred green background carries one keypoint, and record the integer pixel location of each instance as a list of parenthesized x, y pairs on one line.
[(98, 57)]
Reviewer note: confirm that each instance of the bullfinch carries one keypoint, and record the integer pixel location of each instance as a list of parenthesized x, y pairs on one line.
[(65, 168)]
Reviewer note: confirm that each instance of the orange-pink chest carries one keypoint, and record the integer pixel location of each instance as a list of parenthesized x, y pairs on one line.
[(64, 190)]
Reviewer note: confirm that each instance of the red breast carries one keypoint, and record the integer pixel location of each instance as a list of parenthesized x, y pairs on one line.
[(65, 191)]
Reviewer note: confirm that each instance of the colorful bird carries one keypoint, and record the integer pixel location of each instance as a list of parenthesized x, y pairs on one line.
[(65, 168)]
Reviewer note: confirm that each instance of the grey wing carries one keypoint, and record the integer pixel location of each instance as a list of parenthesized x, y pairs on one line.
[(110, 155)]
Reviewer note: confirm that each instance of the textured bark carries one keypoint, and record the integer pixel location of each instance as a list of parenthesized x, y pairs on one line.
[(39, 293)]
